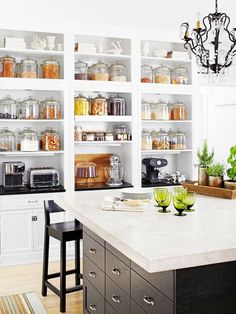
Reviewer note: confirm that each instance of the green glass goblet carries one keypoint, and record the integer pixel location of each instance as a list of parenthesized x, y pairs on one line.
[(179, 205), (159, 195), (165, 203), (189, 201)]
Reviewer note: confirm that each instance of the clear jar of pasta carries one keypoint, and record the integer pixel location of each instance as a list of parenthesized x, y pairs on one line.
[(50, 140)]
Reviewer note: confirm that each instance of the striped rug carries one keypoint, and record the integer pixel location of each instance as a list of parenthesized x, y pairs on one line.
[(24, 303)]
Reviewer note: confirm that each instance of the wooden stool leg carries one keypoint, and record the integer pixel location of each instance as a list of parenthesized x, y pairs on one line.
[(45, 262), (63, 278), (77, 262)]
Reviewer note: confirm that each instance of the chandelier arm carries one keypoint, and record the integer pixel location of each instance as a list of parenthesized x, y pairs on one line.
[(207, 30)]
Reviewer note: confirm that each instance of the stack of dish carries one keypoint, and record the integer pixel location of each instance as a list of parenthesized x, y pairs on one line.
[(135, 194)]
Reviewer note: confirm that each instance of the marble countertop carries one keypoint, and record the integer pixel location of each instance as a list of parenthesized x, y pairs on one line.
[(160, 242)]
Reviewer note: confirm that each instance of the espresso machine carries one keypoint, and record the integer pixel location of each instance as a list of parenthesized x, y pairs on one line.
[(13, 174)]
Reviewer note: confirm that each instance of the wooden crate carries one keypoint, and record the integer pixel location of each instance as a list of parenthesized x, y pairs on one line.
[(209, 190)]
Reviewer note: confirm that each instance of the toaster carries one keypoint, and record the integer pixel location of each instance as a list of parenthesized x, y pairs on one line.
[(43, 177)]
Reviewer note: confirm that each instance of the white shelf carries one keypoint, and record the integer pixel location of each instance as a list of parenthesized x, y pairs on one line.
[(102, 143), (38, 154), (31, 120), (103, 118), (104, 56), (167, 60), (102, 86), (173, 89), (31, 52), (166, 121), (31, 84), (166, 151)]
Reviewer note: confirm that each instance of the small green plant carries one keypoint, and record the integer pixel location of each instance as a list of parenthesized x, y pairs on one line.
[(231, 172), (216, 169), (205, 157)]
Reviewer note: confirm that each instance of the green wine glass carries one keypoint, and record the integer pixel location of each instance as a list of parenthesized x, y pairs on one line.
[(165, 203), (159, 195), (189, 201), (179, 204)]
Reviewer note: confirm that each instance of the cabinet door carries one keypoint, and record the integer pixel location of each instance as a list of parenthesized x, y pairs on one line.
[(17, 232), (39, 225)]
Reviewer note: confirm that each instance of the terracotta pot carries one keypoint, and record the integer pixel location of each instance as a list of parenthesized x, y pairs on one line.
[(216, 182), (202, 176), (229, 184)]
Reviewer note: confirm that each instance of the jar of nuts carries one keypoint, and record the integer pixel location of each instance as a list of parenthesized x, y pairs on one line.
[(161, 140), (99, 106), (50, 140), (51, 109), (29, 68), (51, 69), (178, 140), (162, 75), (99, 72)]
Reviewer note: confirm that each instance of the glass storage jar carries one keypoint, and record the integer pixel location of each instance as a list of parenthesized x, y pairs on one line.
[(28, 140), (161, 140), (100, 136), (109, 136), (171, 134), (116, 106), (81, 70), (162, 75), (7, 66), (117, 72), (29, 68), (99, 106), (7, 140), (50, 140), (18, 70), (179, 76), (178, 140), (99, 72), (78, 133), (179, 111), (146, 143), (82, 106), (51, 109), (30, 109), (51, 69), (122, 133), (146, 111), (8, 108), (159, 111), (146, 74)]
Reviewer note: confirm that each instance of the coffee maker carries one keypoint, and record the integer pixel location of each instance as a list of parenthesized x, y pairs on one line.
[(13, 174)]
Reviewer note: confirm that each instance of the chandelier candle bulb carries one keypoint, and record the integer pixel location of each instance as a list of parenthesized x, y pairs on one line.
[(198, 20)]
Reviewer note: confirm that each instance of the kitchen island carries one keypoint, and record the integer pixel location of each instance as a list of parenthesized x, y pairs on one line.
[(147, 262)]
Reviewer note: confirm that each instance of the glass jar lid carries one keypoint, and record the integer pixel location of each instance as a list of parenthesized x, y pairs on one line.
[(100, 64), (81, 64), (117, 66), (180, 132), (7, 58), (51, 101), (28, 61), (27, 131), (116, 97), (162, 132), (163, 68), (50, 130), (179, 104), (51, 61), (7, 100), (99, 96), (6, 131), (146, 67), (162, 102), (80, 96), (30, 101)]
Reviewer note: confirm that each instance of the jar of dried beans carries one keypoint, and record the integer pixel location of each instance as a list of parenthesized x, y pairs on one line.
[(51, 69), (50, 140), (7, 66)]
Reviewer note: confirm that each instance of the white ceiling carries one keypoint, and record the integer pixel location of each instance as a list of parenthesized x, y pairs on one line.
[(152, 14)]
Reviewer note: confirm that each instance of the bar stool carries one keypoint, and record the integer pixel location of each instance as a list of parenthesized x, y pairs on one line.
[(64, 232)]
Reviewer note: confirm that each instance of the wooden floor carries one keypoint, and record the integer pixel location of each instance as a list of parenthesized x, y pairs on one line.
[(18, 279)]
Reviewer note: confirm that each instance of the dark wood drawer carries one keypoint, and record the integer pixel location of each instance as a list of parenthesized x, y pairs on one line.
[(163, 281), (109, 309), (135, 309), (118, 271), (118, 254), (119, 300), (94, 302), (94, 250), (94, 236), (148, 298), (94, 274)]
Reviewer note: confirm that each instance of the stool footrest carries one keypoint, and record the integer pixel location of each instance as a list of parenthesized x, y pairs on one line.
[(55, 275), (53, 288), (73, 289)]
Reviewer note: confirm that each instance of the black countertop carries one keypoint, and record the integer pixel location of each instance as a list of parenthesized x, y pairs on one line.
[(28, 190), (101, 186)]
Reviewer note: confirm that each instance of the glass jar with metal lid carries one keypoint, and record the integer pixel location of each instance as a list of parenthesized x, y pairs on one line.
[(146, 111), (7, 140), (7, 66), (99, 106), (146, 143), (8, 108), (29, 68), (99, 72), (51, 69), (81, 70), (162, 75), (116, 106), (179, 140), (146, 73), (82, 106), (179, 76), (179, 111), (117, 72), (51, 109), (30, 108), (161, 141), (28, 140), (50, 140), (122, 133), (159, 111)]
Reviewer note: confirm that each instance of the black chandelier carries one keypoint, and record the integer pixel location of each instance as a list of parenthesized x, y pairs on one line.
[(212, 42)]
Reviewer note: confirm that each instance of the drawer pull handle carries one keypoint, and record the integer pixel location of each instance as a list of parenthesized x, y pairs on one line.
[(92, 274), (116, 271), (148, 300), (93, 307), (92, 251), (115, 298), (35, 201)]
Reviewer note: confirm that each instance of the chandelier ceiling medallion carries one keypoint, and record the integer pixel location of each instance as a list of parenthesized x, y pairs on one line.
[(213, 44)]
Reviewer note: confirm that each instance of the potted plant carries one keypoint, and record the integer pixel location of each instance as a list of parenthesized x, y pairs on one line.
[(231, 172), (205, 158), (216, 173)]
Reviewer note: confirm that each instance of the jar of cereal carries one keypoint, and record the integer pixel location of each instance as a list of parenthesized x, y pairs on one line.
[(82, 106), (51, 109), (99, 106), (51, 69), (162, 75)]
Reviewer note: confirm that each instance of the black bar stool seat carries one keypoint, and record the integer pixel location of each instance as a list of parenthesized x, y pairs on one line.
[(63, 232)]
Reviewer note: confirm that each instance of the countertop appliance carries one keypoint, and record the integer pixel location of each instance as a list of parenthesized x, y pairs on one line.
[(43, 177), (13, 174), (115, 172)]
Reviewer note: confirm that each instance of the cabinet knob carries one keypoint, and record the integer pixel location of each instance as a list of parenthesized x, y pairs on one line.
[(92, 274), (34, 218), (116, 271), (149, 300), (93, 307), (116, 299), (92, 251)]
